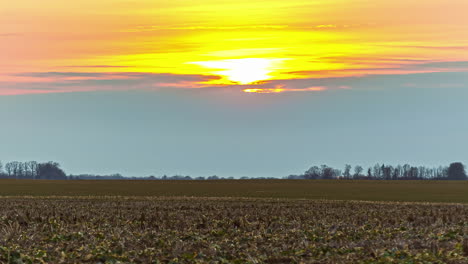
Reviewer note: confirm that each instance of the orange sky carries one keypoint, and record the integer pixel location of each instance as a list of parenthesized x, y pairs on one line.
[(236, 42)]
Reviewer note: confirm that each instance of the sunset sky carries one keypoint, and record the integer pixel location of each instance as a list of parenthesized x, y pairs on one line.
[(233, 88)]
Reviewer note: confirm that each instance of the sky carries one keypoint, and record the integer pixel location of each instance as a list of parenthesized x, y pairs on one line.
[(261, 88)]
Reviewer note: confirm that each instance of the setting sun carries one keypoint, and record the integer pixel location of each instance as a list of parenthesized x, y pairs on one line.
[(243, 71)]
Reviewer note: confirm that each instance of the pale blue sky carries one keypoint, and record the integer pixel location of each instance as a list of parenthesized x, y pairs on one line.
[(416, 118)]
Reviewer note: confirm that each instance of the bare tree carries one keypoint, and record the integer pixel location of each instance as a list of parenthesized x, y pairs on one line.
[(347, 171), (358, 171), (33, 169), (9, 168)]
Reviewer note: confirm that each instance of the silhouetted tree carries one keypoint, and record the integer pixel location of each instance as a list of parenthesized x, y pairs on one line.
[(456, 171), (347, 171), (9, 169), (313, 173), (327, 172), (32, 167), (358, 171), (377, 171), (50, 171)]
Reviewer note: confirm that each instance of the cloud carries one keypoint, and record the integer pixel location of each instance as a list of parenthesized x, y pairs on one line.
[(283, 89), (336, 26), (442, 74), (450, 47), (60, 82), (326, 26), (402, 68), (96, 66), (445, 64), (363, 60), (149, 28), (433, 80), (9, 34)]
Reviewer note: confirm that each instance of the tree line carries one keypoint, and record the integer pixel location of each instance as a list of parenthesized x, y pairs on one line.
[(32, 170), (456, 171), (52, 171)]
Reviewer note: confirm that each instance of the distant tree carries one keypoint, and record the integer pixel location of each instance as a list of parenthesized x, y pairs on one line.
[(414, 173), (387, 172), (377, 171), (15, 166), (423, 174), (406, 171), (327, 172), (347, 171), (9, 169), (50, 171), (337, 173), (398, 172), (456, 171), (313, 173), (382, 171), (358, 171), (395, 173), (443, 172)]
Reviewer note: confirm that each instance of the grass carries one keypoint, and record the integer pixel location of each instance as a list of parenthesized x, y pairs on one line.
[(405, 191)]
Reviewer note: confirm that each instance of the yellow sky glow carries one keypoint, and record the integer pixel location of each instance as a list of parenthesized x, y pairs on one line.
[(243, 42)]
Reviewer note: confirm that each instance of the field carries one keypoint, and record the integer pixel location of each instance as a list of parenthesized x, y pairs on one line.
[(235, 222), (406, 191)]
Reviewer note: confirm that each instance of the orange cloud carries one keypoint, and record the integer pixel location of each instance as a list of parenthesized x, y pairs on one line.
[(283, 89)]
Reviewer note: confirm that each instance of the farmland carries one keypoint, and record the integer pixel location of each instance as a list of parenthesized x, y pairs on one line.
[(227, 230), (405, 191), (233, 222)]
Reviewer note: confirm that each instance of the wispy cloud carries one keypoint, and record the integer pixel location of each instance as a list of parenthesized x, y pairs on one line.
[(95, 66), (428, 47), (393, 67), (433, 80), (442, 74), (9, 34), (59, 82), (201, 27), (283, 89), (149, 28)]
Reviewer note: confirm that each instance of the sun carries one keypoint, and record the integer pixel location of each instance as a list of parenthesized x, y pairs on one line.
[(243, 71)]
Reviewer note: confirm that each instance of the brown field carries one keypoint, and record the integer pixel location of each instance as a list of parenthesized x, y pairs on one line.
[(414, 191), (264, 221), (227, 230)]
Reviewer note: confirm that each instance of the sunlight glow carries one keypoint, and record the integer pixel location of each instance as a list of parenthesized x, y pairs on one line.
[(243, 71), (215, 43)]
